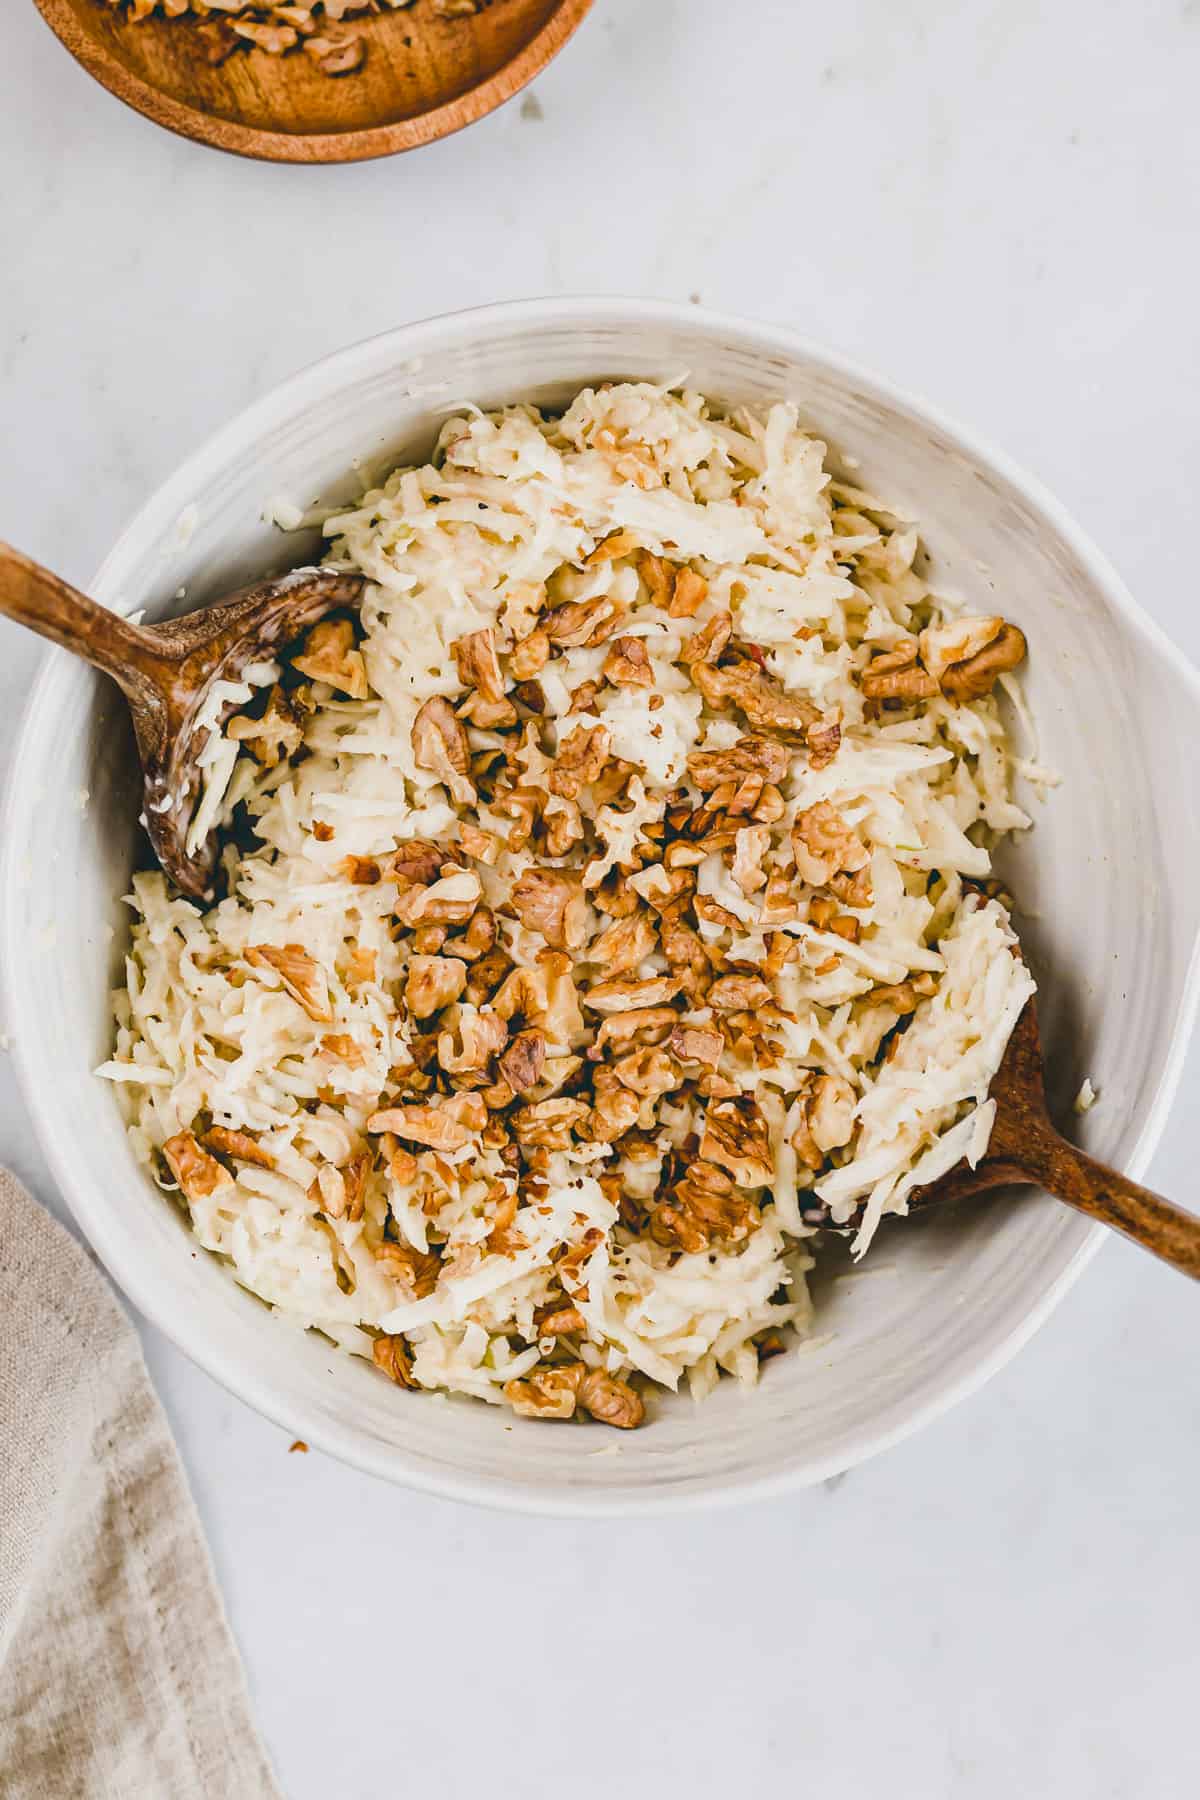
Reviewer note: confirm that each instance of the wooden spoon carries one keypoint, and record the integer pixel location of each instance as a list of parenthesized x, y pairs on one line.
[(1026, 1149), (166, 672)]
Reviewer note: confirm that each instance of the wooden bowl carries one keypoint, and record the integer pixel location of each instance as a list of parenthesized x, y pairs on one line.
[(424, 77)]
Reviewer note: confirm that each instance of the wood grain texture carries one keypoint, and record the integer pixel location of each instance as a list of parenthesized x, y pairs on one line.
[(424, 77), (166, 672), (1025, 1148)]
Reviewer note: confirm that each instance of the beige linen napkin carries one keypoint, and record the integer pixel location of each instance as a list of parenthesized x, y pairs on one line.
[(119, 1679)]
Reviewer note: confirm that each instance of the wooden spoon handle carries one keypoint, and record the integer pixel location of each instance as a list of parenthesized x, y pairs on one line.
[(33, 596), (1091, 1188)]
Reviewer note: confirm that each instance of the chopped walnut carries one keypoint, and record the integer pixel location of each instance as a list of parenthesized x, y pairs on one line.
[(691, 591), (523, 1061), (704, 1208), (547, 1392), (239, 1146), (433, 982), (735, 1137), (757, 695), (902, 996), (481, 846), (763, 757), (391, 1354), (552, 902), (696, 1043), (199, 1175), (824, 739), (627, 663), (415, 1272), (301, 975), (624, 996), (826, 1119), (548, 1124), (440, 745), (363, 871), (272, 738), (707, 644), (450, 900), (448, 1125), (824, 845), (580, 759), (610, 1400), (896, 675), (329, 655), (530, 656), (976, 675), (739, 993), (582, 622), (469, 1039), (477, 664), (558, 1319)]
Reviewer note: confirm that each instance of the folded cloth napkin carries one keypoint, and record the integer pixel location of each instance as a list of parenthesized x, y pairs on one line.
[(119, 1679)]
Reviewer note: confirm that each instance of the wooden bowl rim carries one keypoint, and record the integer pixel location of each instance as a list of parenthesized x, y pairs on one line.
[(315, 147)]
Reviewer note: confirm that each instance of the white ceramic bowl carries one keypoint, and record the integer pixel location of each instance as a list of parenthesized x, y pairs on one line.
[(1109, 880)]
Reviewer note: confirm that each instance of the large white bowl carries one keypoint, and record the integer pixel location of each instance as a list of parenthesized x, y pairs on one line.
[(1109, 881)]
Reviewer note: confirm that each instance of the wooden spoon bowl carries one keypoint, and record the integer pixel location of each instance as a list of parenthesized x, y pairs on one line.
[(1025, 1149), (166, 673), (424, 77)]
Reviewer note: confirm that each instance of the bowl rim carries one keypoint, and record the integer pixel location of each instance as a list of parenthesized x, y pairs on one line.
[(88, 1205), (314, 147)]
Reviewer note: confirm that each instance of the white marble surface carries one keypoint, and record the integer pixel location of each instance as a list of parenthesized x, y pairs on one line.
[(994, 201)]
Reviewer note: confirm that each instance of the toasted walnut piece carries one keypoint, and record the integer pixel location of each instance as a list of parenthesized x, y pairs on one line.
[(582, 622), (750, 846), (826, 1119), (428, 940), (845, 925), (433, 982), (824, 844), (363, 871), (440, 745), (322, 832), (415, 1272), (739, 993), (624, 944), (448, 1125), (642, 1025), (756, 694), (624, 996), (558, 1319), (417, 861), (523, 1061), (687, 957), (853, 890), (697, 1043), (703, 1208), (691, 591), (472, 1036), (337, 56), (617, 544), (391, 1354), (272, 738), (345, 1048), (481, 846), (529, 656), (648, 1072), (735, 1137), (658, 576), (477, 664), (627, 664), (360, 965), (546, 1393), (975, 677), (450, 900), (706, 645), (610, 1400), (197, 1173), (580, 759), (824, 740), (329, 655), (548, 1124), (274, 39), (552, 902), (563, 824), (957, 641), (615, 1107), (902, 996), (302, 977), (896, 675), (240, 1146)]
